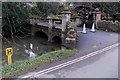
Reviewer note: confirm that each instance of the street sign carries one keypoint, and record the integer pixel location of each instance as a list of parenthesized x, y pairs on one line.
[(9, 53)]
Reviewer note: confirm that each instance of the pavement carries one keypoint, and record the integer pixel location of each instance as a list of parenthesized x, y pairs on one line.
[(99, 66)]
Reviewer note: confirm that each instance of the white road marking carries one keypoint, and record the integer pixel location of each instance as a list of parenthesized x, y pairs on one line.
[(70, 62)]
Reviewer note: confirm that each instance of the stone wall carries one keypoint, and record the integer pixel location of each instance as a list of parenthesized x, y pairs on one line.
[(108, 26)]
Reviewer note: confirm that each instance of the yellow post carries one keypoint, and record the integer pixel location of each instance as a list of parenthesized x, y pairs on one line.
[(9, 60), (9, 52)]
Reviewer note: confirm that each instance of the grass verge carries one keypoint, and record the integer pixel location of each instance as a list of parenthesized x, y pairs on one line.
[(22, 66)]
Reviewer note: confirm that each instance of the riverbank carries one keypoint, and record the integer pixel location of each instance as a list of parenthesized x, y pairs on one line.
[(23, 66)]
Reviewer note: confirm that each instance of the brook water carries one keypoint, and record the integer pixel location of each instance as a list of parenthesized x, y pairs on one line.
[(20, 44)]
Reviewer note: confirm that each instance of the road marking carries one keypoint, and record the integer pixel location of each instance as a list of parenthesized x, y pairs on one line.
[(71, 62)]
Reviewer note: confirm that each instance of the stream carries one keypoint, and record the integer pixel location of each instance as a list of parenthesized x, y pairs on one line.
[(24, 46)]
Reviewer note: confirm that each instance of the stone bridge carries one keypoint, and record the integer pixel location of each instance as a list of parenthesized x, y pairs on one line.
[(50, 29), (50, 33), (55, 31)]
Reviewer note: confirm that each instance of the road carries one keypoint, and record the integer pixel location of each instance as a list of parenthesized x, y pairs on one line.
[(95, 41), (99, 66)]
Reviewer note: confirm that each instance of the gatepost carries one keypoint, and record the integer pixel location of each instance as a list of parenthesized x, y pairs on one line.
[(50, 29), (66, 14)]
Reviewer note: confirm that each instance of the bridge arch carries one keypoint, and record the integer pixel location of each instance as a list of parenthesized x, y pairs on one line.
[(41, 34), (56, 39)]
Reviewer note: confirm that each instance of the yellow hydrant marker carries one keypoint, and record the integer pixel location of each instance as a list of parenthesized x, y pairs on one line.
[(9, 53)]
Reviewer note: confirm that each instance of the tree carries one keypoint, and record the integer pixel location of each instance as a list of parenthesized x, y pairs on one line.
[(46, 8), (14, 15)]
